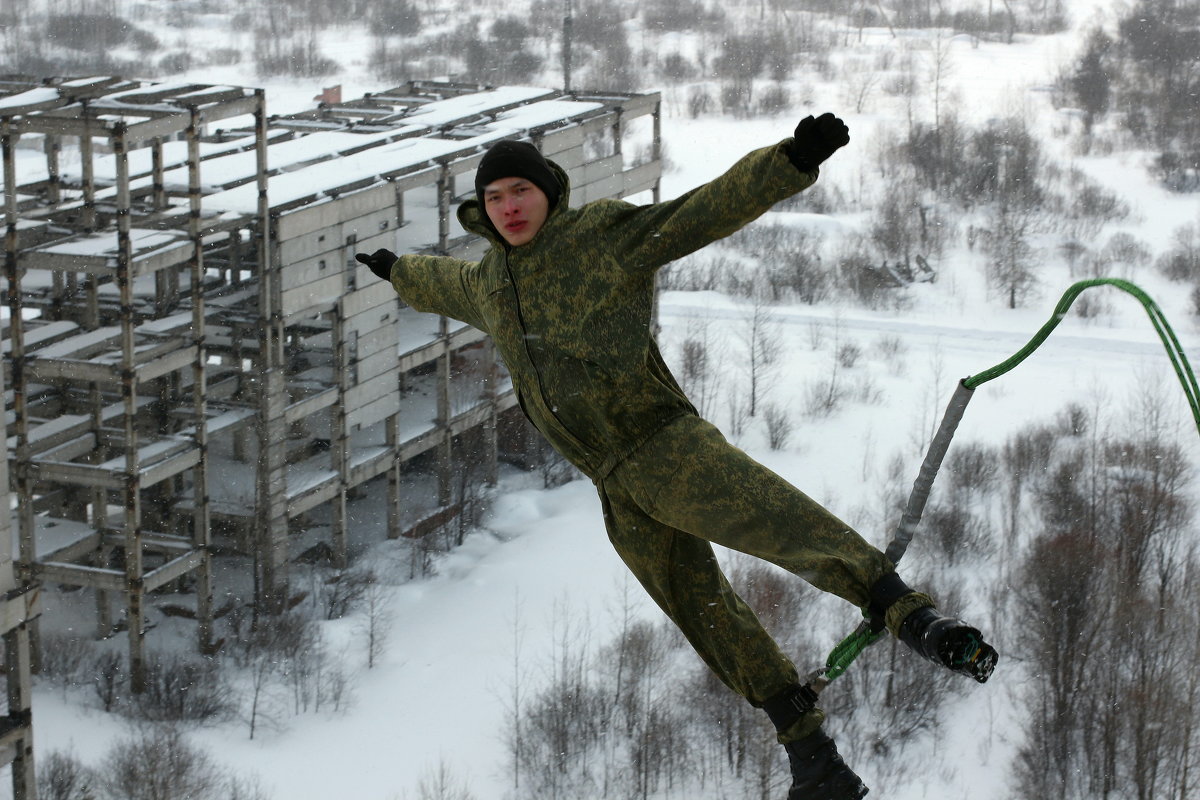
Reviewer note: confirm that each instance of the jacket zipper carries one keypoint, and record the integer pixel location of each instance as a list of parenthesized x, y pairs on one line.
[(537, 372)]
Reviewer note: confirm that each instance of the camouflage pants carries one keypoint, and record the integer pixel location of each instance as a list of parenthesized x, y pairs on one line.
[(688, 487)]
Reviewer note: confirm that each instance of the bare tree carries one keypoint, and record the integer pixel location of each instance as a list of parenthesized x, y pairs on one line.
[(440, 783), (110, 679), (337, 592), (157, 763), (377, 617), (263, 705), (562, 724), (1066, 609), (1101, 593), (61, 776), (861, 84), (1091, 82), (1182, 261), (739, 412), (245, 788), (780, 426), (763, 342), (514, 733), (1011, 254), (941, 67), (179, 689), (700, 373), (825, 396), (1024, 454)]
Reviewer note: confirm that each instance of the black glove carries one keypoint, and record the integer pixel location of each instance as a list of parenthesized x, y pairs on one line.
[(816, 140), (380, 262)]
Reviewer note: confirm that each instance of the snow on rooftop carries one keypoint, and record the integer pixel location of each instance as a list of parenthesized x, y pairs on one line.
[(442, 112), (53, 534), (330, 144), (544, 112), (207, 90), (105, 244), (318, 163), (153, 88), (31, 165), (28, 98), (79, 83), (327, 175), (141, 159), (120, 109), (223, 170), (341, 171)]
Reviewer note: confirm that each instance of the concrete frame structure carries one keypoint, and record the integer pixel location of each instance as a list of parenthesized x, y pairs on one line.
[(19, 607), (108, 367), (188, 298)]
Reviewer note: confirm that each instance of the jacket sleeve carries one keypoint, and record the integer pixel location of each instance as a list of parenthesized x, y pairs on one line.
[(439, 285), (654, 235)]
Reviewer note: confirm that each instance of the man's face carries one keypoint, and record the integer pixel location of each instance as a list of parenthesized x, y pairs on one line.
[(517, 208)]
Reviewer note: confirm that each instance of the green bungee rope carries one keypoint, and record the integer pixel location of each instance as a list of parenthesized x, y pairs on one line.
[(1170, 341), (863, 637)]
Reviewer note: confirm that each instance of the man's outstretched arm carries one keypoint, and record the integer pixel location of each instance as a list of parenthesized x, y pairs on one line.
[(657, 234), (437, 284)]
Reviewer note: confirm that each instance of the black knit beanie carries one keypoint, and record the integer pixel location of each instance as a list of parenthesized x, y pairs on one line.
[(511, 159)]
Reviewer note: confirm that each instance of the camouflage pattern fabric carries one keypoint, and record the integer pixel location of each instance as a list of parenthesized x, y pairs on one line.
[(570, 313), (570, 310), (688, 487)]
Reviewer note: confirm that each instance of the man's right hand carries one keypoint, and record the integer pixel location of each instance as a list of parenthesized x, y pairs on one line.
[(380, 262), (817, 139)]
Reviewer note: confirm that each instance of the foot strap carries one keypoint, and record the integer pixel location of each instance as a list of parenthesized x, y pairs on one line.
[(789, 705), (891, 601)]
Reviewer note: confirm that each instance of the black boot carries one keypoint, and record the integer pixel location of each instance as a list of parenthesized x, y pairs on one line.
[(943, 640), (818, 772), (949, 642)]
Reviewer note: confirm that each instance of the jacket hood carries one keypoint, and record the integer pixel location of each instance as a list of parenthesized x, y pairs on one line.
[(474, 219)]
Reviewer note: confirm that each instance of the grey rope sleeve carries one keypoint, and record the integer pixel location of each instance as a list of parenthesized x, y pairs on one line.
[(929, 469)]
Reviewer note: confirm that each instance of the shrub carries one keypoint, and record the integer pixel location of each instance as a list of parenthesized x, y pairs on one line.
[(157, 763), (61, 776), (172, 63), (848, 354), (676, 67), (1182, 261), (90, 32), (780, 426), (699, 101), (682, 15), (224, 56), (109, 678), (182, 689), (62, 657), (775, 99), (400, 17)]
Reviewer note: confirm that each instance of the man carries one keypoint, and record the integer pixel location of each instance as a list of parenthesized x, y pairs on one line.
[(566, 295)]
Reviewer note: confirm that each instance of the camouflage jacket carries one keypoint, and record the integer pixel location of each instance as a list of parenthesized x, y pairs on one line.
[(570, 311)]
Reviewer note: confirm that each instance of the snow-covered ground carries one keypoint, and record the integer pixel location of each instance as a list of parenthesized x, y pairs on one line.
[(438, 695)]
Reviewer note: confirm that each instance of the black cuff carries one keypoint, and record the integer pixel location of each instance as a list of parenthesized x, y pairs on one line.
[(886, 591), (789, 705), (804, 162)]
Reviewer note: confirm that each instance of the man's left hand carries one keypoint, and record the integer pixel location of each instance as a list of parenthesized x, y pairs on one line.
[(816, 140), (380, 262)]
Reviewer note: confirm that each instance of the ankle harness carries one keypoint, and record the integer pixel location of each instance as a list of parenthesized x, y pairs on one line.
[(789, 705)]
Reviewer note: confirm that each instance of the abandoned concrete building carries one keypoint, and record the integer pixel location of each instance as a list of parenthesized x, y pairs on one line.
[(194, 361)]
